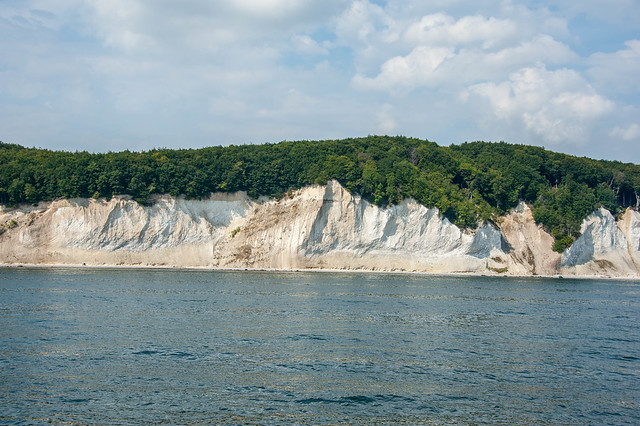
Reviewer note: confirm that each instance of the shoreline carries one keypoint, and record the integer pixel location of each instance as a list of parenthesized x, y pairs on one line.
[(314, 270)]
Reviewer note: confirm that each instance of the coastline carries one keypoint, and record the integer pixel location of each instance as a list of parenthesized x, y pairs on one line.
[(314, 270), (318, 228)]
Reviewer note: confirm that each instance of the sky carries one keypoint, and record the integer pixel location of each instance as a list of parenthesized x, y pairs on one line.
[(101, 76)]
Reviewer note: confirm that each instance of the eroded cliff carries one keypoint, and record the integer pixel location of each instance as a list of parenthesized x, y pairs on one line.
[(316, 227)]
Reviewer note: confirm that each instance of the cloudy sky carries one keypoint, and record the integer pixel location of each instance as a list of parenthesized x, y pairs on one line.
[(103, 75)]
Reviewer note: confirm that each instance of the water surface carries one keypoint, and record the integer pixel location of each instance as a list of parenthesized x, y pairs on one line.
[(131, 346)]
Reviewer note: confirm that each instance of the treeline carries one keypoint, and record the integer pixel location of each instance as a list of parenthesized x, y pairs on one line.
[(468, 183)]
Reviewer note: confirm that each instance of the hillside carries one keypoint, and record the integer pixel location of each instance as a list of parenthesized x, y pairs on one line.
[(469, 183)]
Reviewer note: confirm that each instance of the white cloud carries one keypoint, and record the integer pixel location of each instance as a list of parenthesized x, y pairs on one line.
[(540, 49), (441, 29), (629, 133), (137, 25), (558, 106), (369, 32), (416, 69), (304, 44), (141, 74), (617, 71), (567, 117), (457, 52), (364, 23), (273, 9)]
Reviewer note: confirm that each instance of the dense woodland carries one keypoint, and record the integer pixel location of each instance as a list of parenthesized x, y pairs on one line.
[(469, 183)]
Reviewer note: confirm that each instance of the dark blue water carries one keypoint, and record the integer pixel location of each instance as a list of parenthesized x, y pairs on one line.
[(164, 346)]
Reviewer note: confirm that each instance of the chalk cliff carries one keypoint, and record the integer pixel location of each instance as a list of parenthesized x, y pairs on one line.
[(316, 227)]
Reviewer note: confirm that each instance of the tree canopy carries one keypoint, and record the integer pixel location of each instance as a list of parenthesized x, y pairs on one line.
[(469, 183)]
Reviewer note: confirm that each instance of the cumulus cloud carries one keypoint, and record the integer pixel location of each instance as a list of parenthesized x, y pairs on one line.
[(559, 106), (364, 23), (304, 44), (137, 74), (199, 26), (617, 71), (428, 65), (629, 133), (416, 69), (446, 51), (441, 29)]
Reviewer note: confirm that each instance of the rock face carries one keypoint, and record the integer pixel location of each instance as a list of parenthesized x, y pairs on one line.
[(120, 231), (630, 226), (604, 245), (600, 236), (316, 227), (529, 246), (327, 227)]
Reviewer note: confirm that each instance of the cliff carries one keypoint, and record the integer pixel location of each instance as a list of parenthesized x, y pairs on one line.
[(316, 227)]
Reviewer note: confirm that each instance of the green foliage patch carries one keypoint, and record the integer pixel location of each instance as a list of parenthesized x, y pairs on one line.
[(469, 183)]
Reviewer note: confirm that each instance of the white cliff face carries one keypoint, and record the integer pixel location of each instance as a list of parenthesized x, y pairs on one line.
[(406, 236), (327, 227), (349, 223), (605, 247), (316, 227), (599, 235), (124, 224), (121, 231), (630, 227)]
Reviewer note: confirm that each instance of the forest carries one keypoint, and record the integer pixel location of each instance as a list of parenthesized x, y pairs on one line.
[(469, 183)]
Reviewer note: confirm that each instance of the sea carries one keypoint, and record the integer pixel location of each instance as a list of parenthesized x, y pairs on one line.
[(162, 346)]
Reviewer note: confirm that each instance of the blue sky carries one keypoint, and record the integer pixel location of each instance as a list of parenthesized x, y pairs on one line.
[(137, 74)]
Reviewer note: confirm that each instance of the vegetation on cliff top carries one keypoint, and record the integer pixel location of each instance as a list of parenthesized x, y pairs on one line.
[(468, 182)]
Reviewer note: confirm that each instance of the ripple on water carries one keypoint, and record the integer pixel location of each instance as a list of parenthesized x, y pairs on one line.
[(203, 347)]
